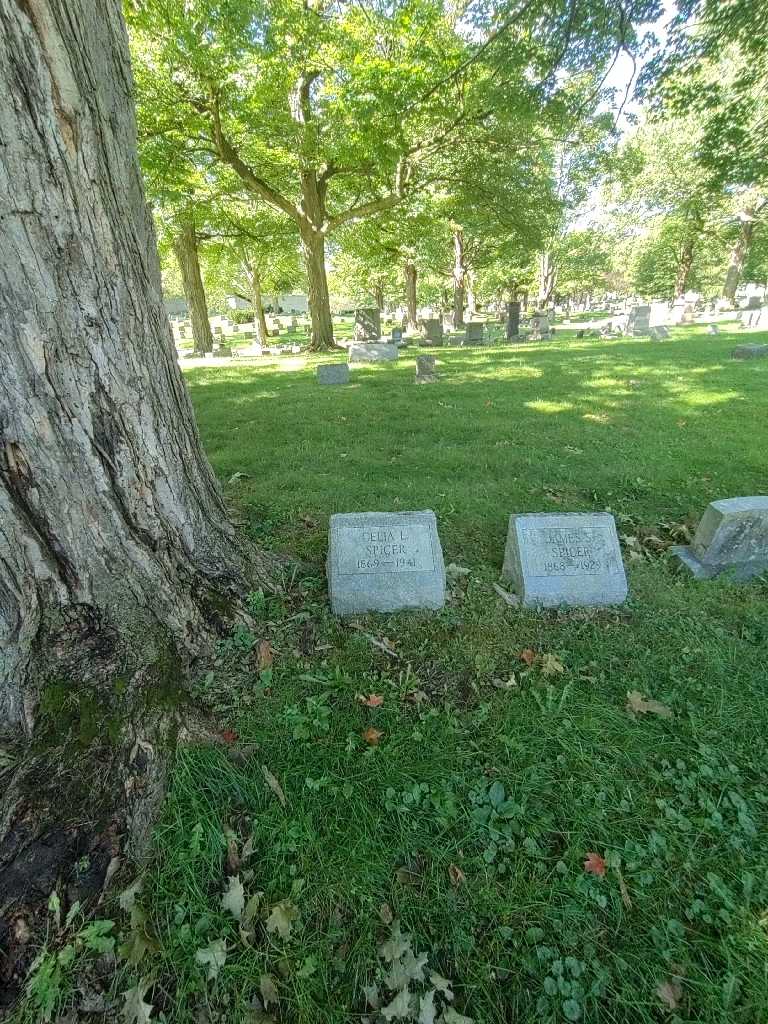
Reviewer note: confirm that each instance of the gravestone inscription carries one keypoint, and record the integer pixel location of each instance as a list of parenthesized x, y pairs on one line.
[(731, 538), (384, 562), (565, 559)]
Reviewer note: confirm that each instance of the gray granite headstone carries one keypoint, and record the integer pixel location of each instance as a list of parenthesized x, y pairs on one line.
[(425, 370), (384, 562), (397, 335), (433, 332), (367, 324), (750, 352), (713, 329), (540, 328), (373, 352), (513, 319), (333, 373), (732, 538), (474, 332), (565, 559), (638, 321)]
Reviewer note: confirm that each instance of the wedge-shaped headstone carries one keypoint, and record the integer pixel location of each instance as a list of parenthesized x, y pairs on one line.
[(565, 559), (333, 373), (374, 352), (732, 538), (384, 562)]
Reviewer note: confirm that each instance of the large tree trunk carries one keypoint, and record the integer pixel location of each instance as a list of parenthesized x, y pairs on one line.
[(378, 297), (739, 254), (185, 248), (313, 248), (410, 294), (547, 278), (115, 547), (684, 266), (459, 278), (471, 301), (257, 301)]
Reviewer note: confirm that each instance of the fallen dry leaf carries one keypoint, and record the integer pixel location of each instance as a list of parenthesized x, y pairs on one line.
[(274, 785), (265, 655), (626, 899), (373, 700), (372, 736), (528, 655), (594, 864), (385, 914), (135, 1010), (551, 666), (282, 917), (233, 899), (456, 875), (637, 704), (406, 876), (416, 697), (268, 990), (229, 735), (670, 993)]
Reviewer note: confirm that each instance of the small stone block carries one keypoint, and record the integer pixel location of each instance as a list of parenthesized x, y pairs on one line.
[(222, 351), (376, 352), (750, 352), (384, 562), (565, 559), (731, 538), (333, 373)]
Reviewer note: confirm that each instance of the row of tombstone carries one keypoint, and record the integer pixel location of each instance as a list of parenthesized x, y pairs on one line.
[(367, 330), (339, 373), (393, 561)]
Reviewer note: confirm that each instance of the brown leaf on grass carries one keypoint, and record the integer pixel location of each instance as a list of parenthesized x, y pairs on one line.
[(309, 522), (416, 697), (265, 655), (670, 993), (385, 914), (528, 655), (406, 876), (594, 864), (268, 990), (551, 666), (229, 735), (274, 785), (282, 917), (637, 704), (372, 736), (233, 857), (456, 875), (373, 700)]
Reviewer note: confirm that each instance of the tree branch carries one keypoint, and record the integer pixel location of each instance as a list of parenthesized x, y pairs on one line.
[(388, 202)]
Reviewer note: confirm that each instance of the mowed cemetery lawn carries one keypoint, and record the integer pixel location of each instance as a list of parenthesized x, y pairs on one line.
[(503, 755)]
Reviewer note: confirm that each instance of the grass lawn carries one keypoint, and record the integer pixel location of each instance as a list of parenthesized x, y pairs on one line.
[(495, 776)]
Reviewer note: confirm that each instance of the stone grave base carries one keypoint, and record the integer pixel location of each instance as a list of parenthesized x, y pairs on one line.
[(738, 573)]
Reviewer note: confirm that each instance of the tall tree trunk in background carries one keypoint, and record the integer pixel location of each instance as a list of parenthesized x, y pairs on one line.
[(459, 277), (253, 278), (378, 297), (185, 248), (116, 553), (410, 294), (739, 254), (313, 248), (547, 278), (684, 266), (471, 304)]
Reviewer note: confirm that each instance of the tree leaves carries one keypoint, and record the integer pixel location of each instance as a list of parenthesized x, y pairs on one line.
[(594, 865), (637, 704), (135, 1010), (282, 918), (233, 899), (213, 957), (399, 1008)]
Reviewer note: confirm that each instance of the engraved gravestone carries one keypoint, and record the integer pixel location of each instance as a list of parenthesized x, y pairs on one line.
[(372, 352), (565, 559), (731, 538), (425, 370), (333, 373), (367, 324), (384, 562)]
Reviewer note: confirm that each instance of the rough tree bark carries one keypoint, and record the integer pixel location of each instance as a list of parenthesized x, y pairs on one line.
[(257, 301), (547, 278), (459, 277), (378, 297), (186, 250), (470, 291), (410, 294), (739, 254), (116, 552), (684, 266)]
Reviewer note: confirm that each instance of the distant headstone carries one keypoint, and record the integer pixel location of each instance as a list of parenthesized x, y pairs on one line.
[(639, 321), (222, 351), (540, 329), (333, 373), (565, 559), (474, 332), (433, 332), (373, 352), (754, 302), (367, 324), (384, 562), (425, 370), (750, 352), (713, 329), (513, 319), (397, 335), (732, 538)]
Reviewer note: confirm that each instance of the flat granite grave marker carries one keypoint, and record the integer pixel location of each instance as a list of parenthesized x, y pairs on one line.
[(384, 562), (732, 538), (565, 559), (750, 352), (373, 352), (333, 373)]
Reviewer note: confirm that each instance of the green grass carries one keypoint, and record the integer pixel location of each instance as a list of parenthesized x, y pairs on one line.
[(511, 775)]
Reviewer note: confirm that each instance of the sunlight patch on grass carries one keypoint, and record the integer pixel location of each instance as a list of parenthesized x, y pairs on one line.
[(541, 405)]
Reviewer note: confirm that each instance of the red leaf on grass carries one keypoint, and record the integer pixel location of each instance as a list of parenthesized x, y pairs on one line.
[(229, 735), (594, 864), (373, 700), (372, 736), (528, 656)]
